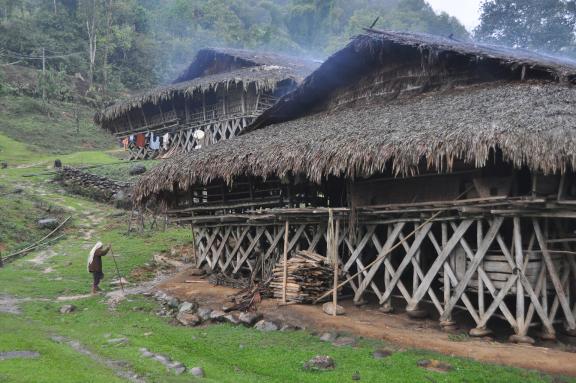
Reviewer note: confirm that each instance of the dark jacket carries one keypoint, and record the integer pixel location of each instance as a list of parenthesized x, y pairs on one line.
[(96, 265)]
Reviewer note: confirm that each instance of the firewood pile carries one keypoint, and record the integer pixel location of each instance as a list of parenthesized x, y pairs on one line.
[(247, 299), (308, 276), (107, 186)]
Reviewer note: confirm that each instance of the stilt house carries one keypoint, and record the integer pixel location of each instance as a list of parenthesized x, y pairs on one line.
[(447, 168), (220, 93)]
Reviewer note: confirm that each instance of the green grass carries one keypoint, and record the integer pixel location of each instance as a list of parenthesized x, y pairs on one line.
[(236, 354), (51, 127), (56, 363)]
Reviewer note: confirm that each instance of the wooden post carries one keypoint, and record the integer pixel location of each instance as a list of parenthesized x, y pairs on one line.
[(285, 271), (334, 249), (519, 260)]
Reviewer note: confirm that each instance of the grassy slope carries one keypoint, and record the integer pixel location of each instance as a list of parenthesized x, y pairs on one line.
[(51, 127), (276, 357)]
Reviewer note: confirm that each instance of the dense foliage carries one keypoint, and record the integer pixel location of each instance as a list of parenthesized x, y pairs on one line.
[(139, 43), (545, 25)]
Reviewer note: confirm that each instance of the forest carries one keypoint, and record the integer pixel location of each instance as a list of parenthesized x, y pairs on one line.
[(119, 45)]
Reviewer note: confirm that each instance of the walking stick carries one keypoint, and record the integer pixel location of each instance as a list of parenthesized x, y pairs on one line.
[(117, 270)]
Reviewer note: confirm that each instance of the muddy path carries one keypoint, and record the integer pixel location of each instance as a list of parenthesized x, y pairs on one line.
[(371, 323)]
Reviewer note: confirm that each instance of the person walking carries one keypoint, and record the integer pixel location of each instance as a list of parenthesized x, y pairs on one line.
[(95, 265)]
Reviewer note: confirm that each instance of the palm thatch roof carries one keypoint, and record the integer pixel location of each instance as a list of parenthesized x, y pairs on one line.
[(244, 58), (264, 71), (376, 47), (532, 122)]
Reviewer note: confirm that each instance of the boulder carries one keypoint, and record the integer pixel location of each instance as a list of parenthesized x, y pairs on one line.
[(188, 319), (197, 372), (187, 307), (231, 318), (249, 318), (173, 303), (328, 308), (177, 367), (204, 313), (265, 325), (48, 223), (217, 315), (320, 362), (67, 309), (137, 169)]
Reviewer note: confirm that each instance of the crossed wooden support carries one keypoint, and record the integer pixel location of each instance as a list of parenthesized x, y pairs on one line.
[(490, 266)]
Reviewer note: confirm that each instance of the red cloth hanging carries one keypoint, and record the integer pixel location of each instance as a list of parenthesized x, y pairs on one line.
[(140, 140)]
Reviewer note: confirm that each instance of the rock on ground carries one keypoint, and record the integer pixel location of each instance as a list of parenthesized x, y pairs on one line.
[(320, 362), (48, 223), (187, 307), (204, 313), (217, 315), (137, 169), (328, 337), (249, 318), (265, 325), (197, 372), (328, 308), (188, 319), (67, 309)]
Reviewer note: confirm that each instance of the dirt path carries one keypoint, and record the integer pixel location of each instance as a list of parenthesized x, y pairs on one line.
[(395, 328)]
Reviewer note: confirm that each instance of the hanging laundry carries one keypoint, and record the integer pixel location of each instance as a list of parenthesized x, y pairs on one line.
[(154, 142), (166, 141), (131, 138), (125, 143), (140, 140)]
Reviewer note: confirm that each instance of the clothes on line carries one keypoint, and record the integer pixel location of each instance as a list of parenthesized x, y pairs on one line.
[(154, 142), (140, 140), (125, 143)]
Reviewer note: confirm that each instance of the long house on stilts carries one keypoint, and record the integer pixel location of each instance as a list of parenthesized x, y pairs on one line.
[(441, 171), (219, 94)]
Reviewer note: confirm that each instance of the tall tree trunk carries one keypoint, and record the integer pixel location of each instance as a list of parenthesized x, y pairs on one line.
[(107, 47), (92, 39)]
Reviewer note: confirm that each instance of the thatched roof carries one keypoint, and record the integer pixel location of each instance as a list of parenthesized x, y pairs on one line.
[(264, 71), (534, 124), (244, 58), (374, 47)]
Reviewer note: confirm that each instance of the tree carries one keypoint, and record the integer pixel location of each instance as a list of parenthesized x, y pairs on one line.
[(546, 25)]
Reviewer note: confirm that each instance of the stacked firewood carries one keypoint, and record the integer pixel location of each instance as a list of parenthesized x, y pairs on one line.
[(308, 276), (247, 299)]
